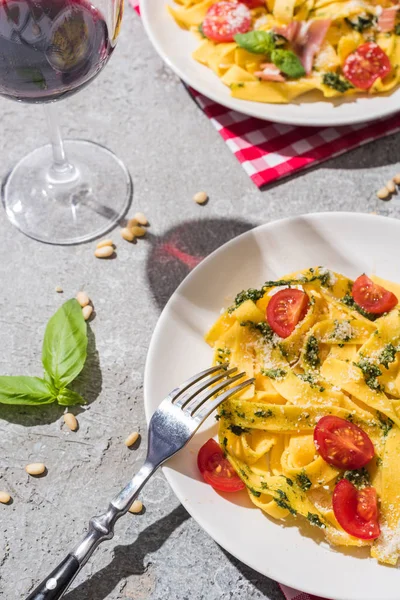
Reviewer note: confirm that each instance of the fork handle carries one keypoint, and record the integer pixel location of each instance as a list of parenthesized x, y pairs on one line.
[(54, 586), (101, 528)]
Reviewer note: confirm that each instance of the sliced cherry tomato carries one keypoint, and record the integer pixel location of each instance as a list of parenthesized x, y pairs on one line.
[(285, 309), (367, 504), (225, 19), (372, 297), (216, 469), (365, 65), (356, 510), (254, 3), (342, 444)]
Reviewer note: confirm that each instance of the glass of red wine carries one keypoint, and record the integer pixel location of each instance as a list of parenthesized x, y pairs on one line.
[(61, 193)]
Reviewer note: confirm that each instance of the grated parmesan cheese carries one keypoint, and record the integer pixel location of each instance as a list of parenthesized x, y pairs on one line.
[(388, 543)]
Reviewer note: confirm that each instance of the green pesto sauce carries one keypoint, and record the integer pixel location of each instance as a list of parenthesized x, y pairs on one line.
[(283, 502), (264, 414), (359, 478), (223, 355), (385, 423), (274, 373), (371, 373), (261, 327), (311, 352), (349, 301), (315, 520), (388, 355), (361, 23), (238, 430), (308, 378), (303, 481)]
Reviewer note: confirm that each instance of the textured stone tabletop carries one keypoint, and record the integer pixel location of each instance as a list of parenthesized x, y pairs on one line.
[(139, 109)]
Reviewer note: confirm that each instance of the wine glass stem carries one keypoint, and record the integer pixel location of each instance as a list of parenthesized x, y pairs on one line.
[(61, 171)]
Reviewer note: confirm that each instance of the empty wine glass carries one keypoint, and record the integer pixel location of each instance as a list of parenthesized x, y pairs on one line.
[(61, 193)]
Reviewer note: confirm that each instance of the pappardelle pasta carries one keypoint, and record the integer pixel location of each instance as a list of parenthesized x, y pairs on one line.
[(276, 50), (317, 435)]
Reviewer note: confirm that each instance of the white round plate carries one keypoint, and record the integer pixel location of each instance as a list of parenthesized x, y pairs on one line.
[(175, 46), (349, 243)]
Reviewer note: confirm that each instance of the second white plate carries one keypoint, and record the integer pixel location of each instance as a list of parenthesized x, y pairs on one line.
[(296, 556), (175, 47)]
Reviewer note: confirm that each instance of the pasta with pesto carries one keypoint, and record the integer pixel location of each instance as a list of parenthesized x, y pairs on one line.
[(276, 50), (339, 361)]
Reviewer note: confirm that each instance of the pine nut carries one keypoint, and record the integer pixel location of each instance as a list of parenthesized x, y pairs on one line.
[(4, 498), (132, 223), (140, 219), (391, 186), (127, 234), (396, 179), (87, 312), (383, 193), (138, 231), (200, 197), (83, 298), (104, 243), (35, 469), (136, 507), (104, 252), (58, 289), (131, 439), (70, 421)]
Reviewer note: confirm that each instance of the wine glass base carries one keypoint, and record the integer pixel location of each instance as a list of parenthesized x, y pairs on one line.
[(92, 199)]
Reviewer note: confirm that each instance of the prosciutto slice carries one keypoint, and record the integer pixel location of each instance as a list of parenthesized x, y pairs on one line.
[(269, 73), (306, 38), (387, 19)]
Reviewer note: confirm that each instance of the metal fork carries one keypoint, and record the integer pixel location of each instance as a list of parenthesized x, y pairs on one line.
[(173, 424)]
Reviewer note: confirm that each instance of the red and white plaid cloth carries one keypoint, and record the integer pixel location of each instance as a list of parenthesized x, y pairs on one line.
[(269, 151)]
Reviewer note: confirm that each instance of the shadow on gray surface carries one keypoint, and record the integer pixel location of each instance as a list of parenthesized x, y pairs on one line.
[(88, 384), (267, 587), (182, 248), (129, 560)]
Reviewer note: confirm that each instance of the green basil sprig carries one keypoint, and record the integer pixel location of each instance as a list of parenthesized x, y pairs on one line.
[(288, 63), (258, 42), (265, 42), (63, 357)]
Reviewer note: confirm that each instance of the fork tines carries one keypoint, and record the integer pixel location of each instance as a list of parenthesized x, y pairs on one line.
[(194, 393)]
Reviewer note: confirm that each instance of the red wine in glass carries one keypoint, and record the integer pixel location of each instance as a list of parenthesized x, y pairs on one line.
[(50, 48)]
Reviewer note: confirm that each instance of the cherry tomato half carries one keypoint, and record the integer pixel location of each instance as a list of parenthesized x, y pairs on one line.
[(342, 444), (216, 469), (365, 65), (356, 510), (225, 19), (254, 3), (372, 297), (285, 309)]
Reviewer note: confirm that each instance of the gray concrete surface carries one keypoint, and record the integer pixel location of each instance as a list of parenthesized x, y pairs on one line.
[(139, 109)]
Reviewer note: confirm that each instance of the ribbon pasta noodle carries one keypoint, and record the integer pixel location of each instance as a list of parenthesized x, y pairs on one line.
[(337, 361), (324, 36)]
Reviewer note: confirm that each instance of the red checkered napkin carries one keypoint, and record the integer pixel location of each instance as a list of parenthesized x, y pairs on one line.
[(268, 151), (291, 594)]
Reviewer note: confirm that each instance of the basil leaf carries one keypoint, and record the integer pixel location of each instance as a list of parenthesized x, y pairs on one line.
[(68, 397), (200, 30), (65, 344), (258, 42), (25, 390), (288, 63)]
